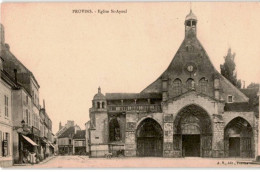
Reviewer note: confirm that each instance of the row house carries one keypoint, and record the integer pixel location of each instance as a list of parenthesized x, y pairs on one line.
[(27, 123), (65, 138), (79, 143), (6, 125)]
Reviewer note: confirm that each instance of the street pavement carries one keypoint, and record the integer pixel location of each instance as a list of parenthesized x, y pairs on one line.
[(86, 162)]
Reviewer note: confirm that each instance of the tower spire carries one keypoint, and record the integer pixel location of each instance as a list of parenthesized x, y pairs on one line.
[(99, 89), (190, 24)]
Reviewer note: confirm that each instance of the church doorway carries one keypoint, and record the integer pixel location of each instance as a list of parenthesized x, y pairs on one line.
[(149, 139), (234, 147), (239, 140), (193, 124), (191, 145)]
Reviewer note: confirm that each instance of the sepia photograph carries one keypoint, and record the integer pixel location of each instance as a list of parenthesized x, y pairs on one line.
[(129, 85)]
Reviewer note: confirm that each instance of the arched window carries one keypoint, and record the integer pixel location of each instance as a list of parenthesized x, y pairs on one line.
[(190, 84), (103, 105), (177, 87), (98, 105), (114, 130), (203, 83)]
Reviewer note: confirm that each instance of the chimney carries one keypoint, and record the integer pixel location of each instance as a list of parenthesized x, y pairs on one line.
[(2, 35), (15, 75), (60, 126), (43, 104)]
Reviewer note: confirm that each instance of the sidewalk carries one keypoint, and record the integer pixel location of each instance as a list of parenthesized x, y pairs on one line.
[(42, 162)]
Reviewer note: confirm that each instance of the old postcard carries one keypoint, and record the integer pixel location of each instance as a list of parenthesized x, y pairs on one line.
[(129, 84)]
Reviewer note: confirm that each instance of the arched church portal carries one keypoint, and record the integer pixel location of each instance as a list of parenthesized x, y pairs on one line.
[(193, 132), (239, 138), (149, 137)]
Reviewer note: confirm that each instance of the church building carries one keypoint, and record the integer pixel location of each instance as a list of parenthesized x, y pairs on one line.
[(191, 110)]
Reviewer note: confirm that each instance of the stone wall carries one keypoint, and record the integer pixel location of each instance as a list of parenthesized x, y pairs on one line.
[(100, 134)]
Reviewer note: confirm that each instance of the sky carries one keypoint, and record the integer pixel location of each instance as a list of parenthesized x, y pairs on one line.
[(72, 54)]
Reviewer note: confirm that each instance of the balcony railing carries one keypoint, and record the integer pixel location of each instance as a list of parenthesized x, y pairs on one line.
[(141, 108)]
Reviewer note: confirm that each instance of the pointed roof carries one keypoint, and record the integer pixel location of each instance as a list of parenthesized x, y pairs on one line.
[(80, 134), (69, 133), (99, 95), (191, 16), (192, 52)]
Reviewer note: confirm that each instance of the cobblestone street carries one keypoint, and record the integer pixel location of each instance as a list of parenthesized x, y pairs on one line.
[(86, 162)]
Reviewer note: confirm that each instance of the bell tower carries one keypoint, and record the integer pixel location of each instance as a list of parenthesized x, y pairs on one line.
[(190, 25)]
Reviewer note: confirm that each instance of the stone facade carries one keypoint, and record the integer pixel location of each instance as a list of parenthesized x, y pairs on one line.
[(6, 124), (190, 110), (23, 126)]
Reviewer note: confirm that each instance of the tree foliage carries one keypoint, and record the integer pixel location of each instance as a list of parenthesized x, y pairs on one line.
[(228, 69), (253, 85)]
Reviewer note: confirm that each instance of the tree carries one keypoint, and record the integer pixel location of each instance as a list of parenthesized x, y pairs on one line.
[(228, 69), (253, 85)]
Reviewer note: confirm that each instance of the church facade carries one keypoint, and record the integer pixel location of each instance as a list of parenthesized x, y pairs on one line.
[(191, 110)]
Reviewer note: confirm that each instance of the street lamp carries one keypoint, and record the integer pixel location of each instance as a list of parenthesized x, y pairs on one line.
[(20, 130)]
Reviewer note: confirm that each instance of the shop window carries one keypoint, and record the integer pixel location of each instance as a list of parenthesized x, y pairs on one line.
[(114, 130), (177, 87), (7, 139), (203, 83)]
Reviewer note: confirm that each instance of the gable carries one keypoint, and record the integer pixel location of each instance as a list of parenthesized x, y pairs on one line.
[(191, 53)]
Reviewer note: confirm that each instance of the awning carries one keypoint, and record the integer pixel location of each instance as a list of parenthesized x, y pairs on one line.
[(43, 140), (29, 140), (51, 145)]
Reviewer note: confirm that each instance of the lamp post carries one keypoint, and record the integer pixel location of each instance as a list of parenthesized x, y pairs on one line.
[(20, 144)]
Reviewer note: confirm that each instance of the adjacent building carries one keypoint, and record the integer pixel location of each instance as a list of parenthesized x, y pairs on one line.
[(191, 110), (65, 138), (87, 126), (22, 109), (79, 142), (6, 119)]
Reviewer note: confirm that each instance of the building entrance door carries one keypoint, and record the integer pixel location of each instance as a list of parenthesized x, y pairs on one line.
[(149, 139), (191, 145), (234, 147), (149, 147)]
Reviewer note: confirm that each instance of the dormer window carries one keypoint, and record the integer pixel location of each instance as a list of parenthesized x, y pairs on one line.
[(230, 99)]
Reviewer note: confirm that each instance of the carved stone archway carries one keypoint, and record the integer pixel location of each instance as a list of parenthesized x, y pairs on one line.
[(193, 132), (149, 138)]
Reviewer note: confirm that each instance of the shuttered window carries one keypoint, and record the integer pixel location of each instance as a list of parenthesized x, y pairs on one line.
[(6, 106)]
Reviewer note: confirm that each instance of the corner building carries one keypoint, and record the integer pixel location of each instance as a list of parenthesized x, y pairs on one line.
[(191, 110)]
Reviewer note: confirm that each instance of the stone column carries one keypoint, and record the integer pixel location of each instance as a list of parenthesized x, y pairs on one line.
[(218, 137), (130, 138), (168, 135)]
